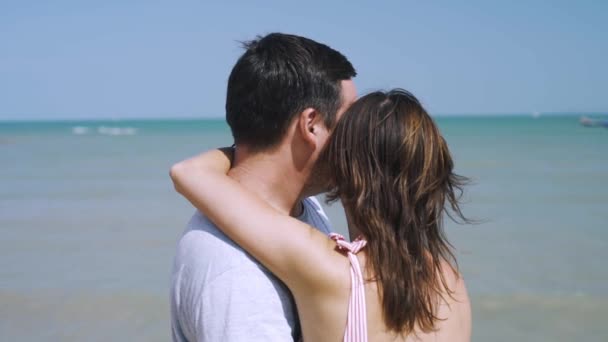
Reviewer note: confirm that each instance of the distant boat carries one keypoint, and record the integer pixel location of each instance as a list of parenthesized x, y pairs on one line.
[(589, 122)]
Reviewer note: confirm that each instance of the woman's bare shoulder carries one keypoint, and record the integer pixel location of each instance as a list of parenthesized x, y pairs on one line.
[(455, 307)]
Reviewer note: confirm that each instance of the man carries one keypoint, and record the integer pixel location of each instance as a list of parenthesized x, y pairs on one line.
[(284, 96)]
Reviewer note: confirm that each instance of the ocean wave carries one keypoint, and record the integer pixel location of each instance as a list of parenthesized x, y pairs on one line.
[(105, 130), (80, 130)]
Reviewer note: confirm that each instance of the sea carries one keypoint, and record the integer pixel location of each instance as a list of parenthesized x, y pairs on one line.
[(89, 223)]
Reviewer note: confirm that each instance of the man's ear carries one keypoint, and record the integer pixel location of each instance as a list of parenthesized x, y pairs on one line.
[(308, 125)]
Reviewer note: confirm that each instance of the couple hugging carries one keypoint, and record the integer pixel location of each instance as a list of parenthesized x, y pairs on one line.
[(258, 260)]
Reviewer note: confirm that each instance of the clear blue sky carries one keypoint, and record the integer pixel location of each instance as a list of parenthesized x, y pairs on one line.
[(114, 59)]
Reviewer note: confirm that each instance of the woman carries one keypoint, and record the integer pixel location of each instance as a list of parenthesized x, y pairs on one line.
[(392, 170)]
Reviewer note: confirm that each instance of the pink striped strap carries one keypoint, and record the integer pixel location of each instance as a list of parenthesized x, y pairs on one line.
[(356, 324)]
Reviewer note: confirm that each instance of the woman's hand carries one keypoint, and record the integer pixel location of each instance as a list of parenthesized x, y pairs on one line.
[(213, 161)]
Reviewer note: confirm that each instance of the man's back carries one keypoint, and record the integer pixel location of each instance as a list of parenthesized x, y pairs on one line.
[(220, 293)]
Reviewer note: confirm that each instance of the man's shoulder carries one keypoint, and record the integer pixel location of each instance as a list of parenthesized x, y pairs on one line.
[(204, 247), (217, 289), (201, 232)]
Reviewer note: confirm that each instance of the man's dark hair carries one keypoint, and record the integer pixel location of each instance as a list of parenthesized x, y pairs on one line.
[(277, 77)]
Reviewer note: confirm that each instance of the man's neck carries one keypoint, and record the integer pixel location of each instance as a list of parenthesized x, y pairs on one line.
[(270, 177)]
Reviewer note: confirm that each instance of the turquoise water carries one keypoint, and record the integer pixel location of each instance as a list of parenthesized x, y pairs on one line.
[(89, 221)]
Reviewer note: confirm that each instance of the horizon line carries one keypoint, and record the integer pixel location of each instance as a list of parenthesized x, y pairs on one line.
[(215, 118)]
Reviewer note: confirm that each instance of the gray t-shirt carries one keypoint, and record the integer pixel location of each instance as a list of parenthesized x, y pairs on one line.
[(221, 293)]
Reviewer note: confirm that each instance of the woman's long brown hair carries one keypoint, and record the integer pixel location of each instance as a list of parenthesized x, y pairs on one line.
[(392, 169)]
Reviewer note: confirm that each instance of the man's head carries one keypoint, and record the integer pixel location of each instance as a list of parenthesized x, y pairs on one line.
[(284, 81)]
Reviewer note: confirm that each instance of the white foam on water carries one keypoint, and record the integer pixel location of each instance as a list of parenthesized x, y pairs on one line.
[(80, 130), (106, 130)]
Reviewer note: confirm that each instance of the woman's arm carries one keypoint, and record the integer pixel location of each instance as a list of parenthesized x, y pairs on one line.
[(295, 252)]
